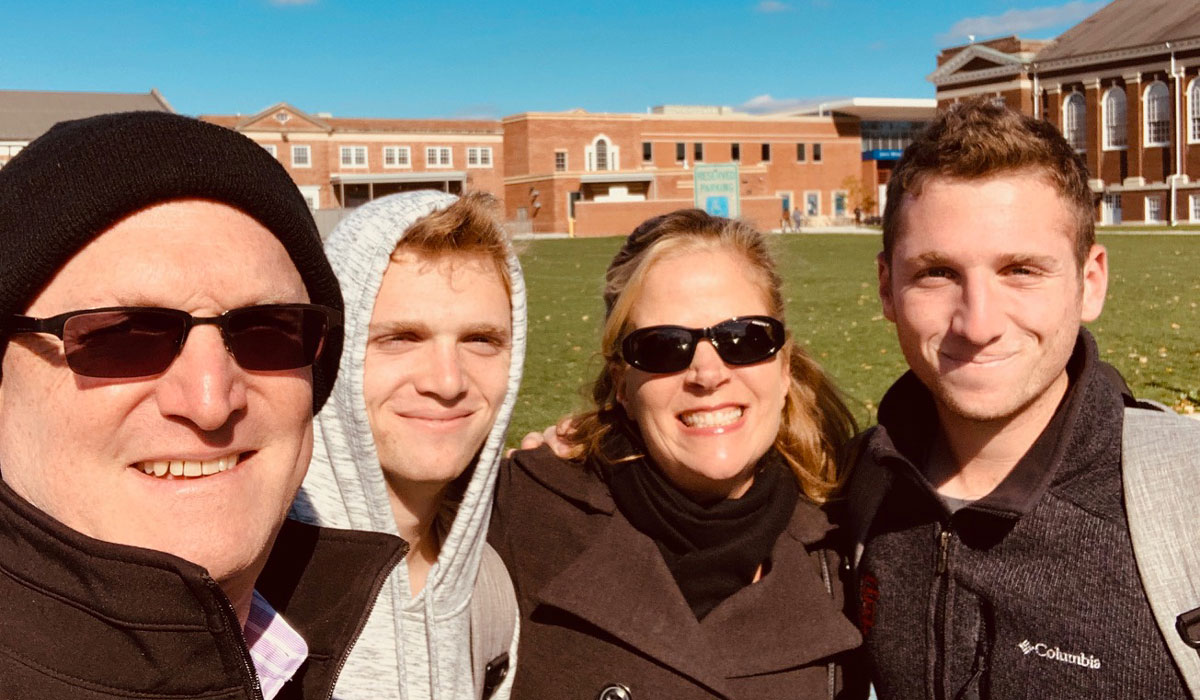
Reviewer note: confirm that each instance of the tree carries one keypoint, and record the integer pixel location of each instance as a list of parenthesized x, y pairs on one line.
[(859, 195)]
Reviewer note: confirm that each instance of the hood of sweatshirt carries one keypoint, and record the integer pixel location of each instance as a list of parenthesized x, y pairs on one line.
[(429, 637)]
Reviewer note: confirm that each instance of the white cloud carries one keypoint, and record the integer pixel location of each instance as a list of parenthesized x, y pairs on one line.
[(1018, 21), (772, 6), (765, 104)]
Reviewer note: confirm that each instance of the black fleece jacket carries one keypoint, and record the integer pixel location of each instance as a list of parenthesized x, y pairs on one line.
[(1029, 592), (82, 619)]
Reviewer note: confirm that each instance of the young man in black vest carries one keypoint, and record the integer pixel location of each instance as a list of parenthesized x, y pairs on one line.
[(996, 551)]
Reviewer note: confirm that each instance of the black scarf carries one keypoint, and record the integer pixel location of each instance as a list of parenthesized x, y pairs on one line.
[(712, 551)]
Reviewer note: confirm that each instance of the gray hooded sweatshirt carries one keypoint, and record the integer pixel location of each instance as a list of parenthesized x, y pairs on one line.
[(412, 648)]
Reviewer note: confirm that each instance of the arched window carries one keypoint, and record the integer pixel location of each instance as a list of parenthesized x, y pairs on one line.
[(1074, 121), (1158, 115), (602, 154), (1194, 111), (1115, 129)]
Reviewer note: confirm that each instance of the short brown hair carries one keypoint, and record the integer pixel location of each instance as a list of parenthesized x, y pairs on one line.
[(816, 423), (468, 226), (978, 139)]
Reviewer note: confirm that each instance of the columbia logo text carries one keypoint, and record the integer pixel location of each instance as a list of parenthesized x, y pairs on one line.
[(1055, 654)]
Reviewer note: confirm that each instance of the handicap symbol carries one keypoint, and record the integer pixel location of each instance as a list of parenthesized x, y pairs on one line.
[(717, 206)]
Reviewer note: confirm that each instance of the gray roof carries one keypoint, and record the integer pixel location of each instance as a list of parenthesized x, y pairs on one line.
[(27, 114), (1126, 24)]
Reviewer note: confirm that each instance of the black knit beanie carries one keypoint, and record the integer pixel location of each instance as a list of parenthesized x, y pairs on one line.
[(83, 176)]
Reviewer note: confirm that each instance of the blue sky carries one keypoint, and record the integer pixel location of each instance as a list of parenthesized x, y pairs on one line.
[(378, 58)]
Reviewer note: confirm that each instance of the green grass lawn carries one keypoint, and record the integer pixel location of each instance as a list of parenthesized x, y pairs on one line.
[(1150, 329)]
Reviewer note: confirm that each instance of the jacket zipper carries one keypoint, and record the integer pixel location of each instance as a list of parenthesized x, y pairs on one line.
[(943, 551), (376, 589), (944, 538), (232, 620), (831, 670)]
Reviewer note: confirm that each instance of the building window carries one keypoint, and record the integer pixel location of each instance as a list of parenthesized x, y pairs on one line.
[(479, 157), (438, 157), (1074, 121), (1115, 129), (603, 155), (680, 152), (801, 152), (839, 204), (1158, 115), (1111, 213), (812, 203), (735, 152), (766, 152), (647, 152), (1154, 209), (270, 148), (1194, 206), (354, 156), (1194, 111), (397, 157), (697, 152), (301, 156), (560, 161), (816, 153), (312, 195)]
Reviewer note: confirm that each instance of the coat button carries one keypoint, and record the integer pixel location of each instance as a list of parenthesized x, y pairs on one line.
[(615, 691)]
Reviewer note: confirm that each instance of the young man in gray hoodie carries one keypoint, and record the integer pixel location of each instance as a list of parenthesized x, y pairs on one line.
[(412, 436)]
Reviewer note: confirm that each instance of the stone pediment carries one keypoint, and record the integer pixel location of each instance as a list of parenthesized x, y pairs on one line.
[(282, 117), (977, 62)]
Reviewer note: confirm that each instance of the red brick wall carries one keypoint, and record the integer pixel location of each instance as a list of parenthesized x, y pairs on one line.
[(620, 218), (532, 139)]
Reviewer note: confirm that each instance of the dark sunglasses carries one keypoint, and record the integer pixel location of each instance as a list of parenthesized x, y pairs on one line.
[(744, 340), (141, 341)]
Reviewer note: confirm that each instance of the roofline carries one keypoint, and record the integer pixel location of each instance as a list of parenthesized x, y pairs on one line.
[(1118, 54), (639, 116), (162, 100)]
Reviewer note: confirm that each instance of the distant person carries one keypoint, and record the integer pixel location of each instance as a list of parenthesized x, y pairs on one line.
[(410, 442), (797, 219), (858, 216), (1029, 527), (685, 553), (169, 325)]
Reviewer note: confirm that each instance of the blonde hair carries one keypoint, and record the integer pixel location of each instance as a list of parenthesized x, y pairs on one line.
[(469, 226), (815, 424)]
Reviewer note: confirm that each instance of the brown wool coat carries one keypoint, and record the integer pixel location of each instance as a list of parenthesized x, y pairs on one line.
[(600, 609)]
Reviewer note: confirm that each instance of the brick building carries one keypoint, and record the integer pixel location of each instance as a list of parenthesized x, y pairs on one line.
[(27, 114), (886, 126), (1123, 86), (602, 174), (340, 163)]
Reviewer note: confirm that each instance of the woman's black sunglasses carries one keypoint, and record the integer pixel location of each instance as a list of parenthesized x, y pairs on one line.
[(141, 341), (744, 340)]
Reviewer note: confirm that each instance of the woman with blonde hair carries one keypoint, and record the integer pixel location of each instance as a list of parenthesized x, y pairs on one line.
[(685, 552)]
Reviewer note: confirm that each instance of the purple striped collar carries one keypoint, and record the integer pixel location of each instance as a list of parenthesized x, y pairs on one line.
[(276, 649)]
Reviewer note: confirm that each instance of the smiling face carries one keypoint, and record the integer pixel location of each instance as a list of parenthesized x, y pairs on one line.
[(987, 296), (706, 426), (436, 370), (76, 447)]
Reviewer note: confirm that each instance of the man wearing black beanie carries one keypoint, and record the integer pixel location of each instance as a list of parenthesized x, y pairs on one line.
[(168, 326)]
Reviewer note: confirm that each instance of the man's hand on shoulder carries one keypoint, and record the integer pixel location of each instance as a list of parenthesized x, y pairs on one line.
[(555, 437)]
